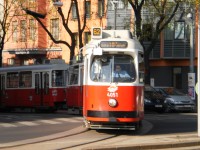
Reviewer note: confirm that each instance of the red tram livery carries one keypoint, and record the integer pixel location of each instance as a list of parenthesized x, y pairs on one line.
[(113, 81), (39, 87)]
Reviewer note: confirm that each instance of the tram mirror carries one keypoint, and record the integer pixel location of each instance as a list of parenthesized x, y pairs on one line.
[(97, 51)]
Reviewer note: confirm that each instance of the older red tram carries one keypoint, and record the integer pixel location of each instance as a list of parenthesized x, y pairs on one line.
[(113, 81), (75, 89), (39, 87)]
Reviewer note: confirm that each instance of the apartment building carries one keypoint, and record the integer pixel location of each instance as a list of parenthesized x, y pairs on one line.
[(29, 43), (175, 54)]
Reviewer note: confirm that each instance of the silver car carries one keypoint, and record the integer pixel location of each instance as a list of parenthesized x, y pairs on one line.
[(176, 100)]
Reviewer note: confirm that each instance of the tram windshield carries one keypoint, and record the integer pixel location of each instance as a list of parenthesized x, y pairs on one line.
[(58, 78), (113, 68)]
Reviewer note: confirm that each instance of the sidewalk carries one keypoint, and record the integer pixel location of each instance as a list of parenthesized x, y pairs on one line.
[(148, 142)]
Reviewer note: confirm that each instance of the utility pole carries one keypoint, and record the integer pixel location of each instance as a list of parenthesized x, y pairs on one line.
[(115, 2)]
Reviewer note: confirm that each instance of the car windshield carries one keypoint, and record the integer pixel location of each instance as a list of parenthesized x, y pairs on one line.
[(113, 68), (150, 93)]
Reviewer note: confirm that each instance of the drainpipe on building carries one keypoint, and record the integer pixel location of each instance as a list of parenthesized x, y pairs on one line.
[(190, 16), (198, 82)]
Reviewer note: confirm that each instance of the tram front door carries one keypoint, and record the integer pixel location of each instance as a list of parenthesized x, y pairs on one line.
[(42, 95)]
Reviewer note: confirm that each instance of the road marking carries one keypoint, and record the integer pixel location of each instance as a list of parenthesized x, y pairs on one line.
[(7, 125), (37, 122), (67, 120), (49, 121), (28, 123)]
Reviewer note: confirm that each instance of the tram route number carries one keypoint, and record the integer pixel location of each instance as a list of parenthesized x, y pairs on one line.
[(112, 94), (96, 31)]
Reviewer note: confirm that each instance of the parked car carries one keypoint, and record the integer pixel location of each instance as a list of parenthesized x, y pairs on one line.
[(176, 100), (153, 100)]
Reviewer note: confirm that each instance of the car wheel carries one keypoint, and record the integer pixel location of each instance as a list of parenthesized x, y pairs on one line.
[(168, 109)]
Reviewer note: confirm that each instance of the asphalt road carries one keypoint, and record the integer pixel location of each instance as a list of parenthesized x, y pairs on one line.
[(21, 126), (170, 123)]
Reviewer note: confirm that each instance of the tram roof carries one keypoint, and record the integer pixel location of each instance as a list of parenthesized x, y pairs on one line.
[(35, 67), (117, 35)]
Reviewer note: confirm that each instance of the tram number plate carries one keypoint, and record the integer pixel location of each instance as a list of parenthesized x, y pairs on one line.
[(158, 106), (112, 94)]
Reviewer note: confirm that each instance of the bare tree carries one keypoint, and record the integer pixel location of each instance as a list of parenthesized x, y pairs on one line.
[(165, 11), (5, 19), (65, 21)]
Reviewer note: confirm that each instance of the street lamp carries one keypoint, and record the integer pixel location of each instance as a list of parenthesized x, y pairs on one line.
[(198, 82), (115, 2), (190, 17)]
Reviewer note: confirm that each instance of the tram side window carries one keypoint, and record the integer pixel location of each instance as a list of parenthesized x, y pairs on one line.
[(73, 76), (12, 80), (25, 79), (58, 78)]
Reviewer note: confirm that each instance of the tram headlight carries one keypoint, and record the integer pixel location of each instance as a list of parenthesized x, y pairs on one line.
[(112, 102)]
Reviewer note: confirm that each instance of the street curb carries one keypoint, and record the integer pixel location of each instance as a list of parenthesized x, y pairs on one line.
[(73, 131), (147, 146)]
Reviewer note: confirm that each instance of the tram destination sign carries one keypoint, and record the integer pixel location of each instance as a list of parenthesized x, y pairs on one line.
[(113, 44)]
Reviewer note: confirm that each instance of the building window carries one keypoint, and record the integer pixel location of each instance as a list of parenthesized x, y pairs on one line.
[(169, 32), (26, 62), (120, 5), (101, 8), (87, 37), (76, 39), (74, 13), (11, 61), (55, 28), (14, 31), (32, 4), (179, 30), (23, 30), (32, 29), (88, 9)]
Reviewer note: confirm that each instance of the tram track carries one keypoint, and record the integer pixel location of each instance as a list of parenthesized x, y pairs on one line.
[(74, 139), (24, 143)]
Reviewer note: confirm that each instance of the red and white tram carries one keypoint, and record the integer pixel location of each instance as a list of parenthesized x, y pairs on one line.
[(113, 99), (37, 87)]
